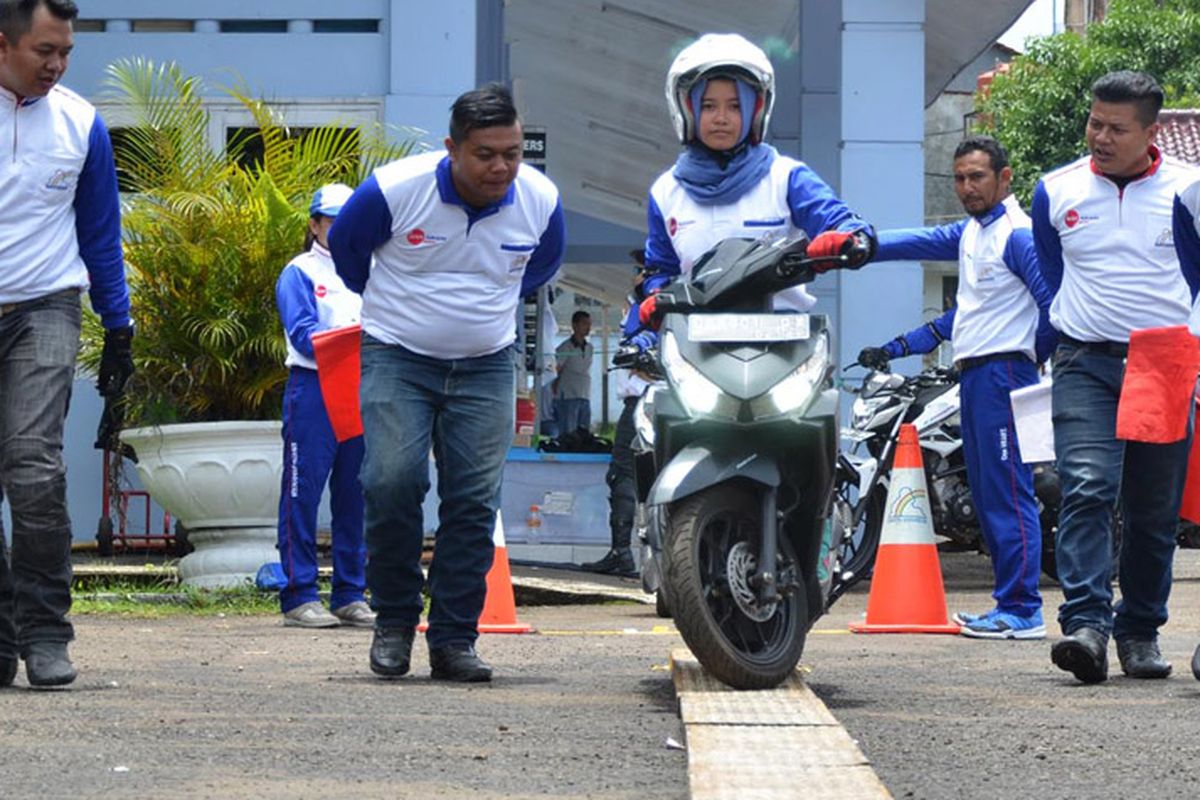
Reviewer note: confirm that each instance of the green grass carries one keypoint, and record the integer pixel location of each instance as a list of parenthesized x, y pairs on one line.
[(168, 599)]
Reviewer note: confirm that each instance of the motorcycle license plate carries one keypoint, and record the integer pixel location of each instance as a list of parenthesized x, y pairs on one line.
[(748, 327)]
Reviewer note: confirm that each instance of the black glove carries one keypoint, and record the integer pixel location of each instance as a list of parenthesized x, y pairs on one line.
[(116, 361), (860, 250), (873, 358)]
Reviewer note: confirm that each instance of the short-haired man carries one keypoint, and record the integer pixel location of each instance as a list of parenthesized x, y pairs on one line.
[(573, 386), (1103, 231), (442, 246), (1001, 330), (60, 232)]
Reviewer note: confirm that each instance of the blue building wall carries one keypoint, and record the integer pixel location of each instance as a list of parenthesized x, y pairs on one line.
[(849, 104)]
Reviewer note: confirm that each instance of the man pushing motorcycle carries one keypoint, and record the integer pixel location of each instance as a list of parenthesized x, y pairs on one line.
[(1000, 331)]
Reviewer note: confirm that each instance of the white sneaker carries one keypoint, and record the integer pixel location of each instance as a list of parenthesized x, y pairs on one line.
[(357, 614), (310, 615)]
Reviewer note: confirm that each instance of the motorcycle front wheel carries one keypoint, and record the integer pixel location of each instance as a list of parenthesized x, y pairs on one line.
[(712, 545)]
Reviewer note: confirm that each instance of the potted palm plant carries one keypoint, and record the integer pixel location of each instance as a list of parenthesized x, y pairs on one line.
[(206, 233)]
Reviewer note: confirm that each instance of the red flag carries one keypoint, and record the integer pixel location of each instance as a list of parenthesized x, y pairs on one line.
[(338, 369), (1160, 375)]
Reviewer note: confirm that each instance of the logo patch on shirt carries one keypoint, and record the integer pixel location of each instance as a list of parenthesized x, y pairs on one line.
[(1072, 218), (61, 180), (673, 225), (321, 291), (415, 236), (1165, 239)]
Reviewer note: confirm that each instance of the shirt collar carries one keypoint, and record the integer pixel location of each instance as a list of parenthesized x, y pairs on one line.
[(12, 97), (992, 214), (449, 194), (1155, 163)]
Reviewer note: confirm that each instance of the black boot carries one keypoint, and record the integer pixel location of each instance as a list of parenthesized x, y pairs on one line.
[(618, 561), (47, 664), (391, 651), (8, 670)]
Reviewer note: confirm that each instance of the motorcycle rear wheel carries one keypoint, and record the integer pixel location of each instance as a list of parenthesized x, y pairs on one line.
[(712, 544)]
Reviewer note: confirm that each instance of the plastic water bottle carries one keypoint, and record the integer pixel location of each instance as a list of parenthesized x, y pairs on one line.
[(533, 524)]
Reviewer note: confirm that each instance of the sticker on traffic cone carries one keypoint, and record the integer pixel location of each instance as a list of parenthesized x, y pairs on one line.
[(907, 595), (500, 606)]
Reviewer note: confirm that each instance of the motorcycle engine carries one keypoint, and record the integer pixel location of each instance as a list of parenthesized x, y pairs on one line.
[(960, 505)]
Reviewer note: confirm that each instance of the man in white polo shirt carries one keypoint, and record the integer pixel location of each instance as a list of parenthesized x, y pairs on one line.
[(1102, 226), (441, 246)]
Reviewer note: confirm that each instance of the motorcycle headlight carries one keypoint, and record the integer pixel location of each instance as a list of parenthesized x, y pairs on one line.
[(698, 393), (797, 389)]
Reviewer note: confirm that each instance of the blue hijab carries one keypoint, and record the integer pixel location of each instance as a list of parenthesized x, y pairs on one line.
[(711, 178)]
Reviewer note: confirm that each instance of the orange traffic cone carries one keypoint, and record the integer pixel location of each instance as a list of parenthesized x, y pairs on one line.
[(907, 595), (500, 606)]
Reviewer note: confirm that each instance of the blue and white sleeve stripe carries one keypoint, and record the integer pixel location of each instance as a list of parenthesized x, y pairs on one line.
[(662, 262), (920, 244), (297, 308), (1187, 240), (363, 224), (98, 229), (1020, 256), (548, 255), (1046, 241)]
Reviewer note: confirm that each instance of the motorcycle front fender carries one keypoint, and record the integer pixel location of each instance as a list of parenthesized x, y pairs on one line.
[(696, 467)]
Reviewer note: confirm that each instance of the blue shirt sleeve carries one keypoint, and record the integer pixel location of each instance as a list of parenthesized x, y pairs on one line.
[(1187, 245), (297, 308), (98, 229), (662, 262), (1020, 256), (923, 339), (548, 255), (1046, 241), (815, 208), (920, 244), (363, 224)]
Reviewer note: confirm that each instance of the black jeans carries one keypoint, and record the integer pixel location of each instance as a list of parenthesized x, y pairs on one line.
[(622, 494), (39, 342)]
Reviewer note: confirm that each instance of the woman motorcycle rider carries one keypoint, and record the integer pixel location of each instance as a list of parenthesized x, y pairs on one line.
[(728, 182)]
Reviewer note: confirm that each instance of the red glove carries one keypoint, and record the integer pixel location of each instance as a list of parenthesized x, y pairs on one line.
[(827, 245), (648, 313)]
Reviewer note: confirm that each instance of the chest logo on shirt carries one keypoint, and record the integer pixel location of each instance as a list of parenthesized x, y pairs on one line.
[(61, 180), (674, 225), (415, 236), (1072, 218), (1165, 239), (321, 291)]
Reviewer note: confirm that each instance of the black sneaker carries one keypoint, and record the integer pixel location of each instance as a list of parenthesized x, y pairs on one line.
[(459, 663), (47, 664), (615, 562), (1196, 663), (1083, 653), (391, 651)]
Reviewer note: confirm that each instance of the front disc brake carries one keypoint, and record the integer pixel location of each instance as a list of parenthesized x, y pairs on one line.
[(741, 566)]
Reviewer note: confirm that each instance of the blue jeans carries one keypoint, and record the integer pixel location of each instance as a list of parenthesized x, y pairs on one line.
[(39, 342), (312, 456), (571, 414), (463, 410), (1097, 469)]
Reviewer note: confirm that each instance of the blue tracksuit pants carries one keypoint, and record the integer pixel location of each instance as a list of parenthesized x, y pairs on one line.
[(1002, 484), (311, 456)]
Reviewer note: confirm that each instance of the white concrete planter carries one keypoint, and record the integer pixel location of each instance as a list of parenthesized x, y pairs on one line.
[(221, 480)]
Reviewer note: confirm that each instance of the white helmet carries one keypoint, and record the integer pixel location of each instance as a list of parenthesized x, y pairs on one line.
[(727, 55)]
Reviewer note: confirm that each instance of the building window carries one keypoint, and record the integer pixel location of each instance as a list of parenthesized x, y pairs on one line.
[(254, 26), (163, 26), (345, 26), (88, 26), (247, 142)]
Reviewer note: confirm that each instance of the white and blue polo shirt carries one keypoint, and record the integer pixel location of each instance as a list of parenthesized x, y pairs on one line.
[(437, 276), (60, 215)]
